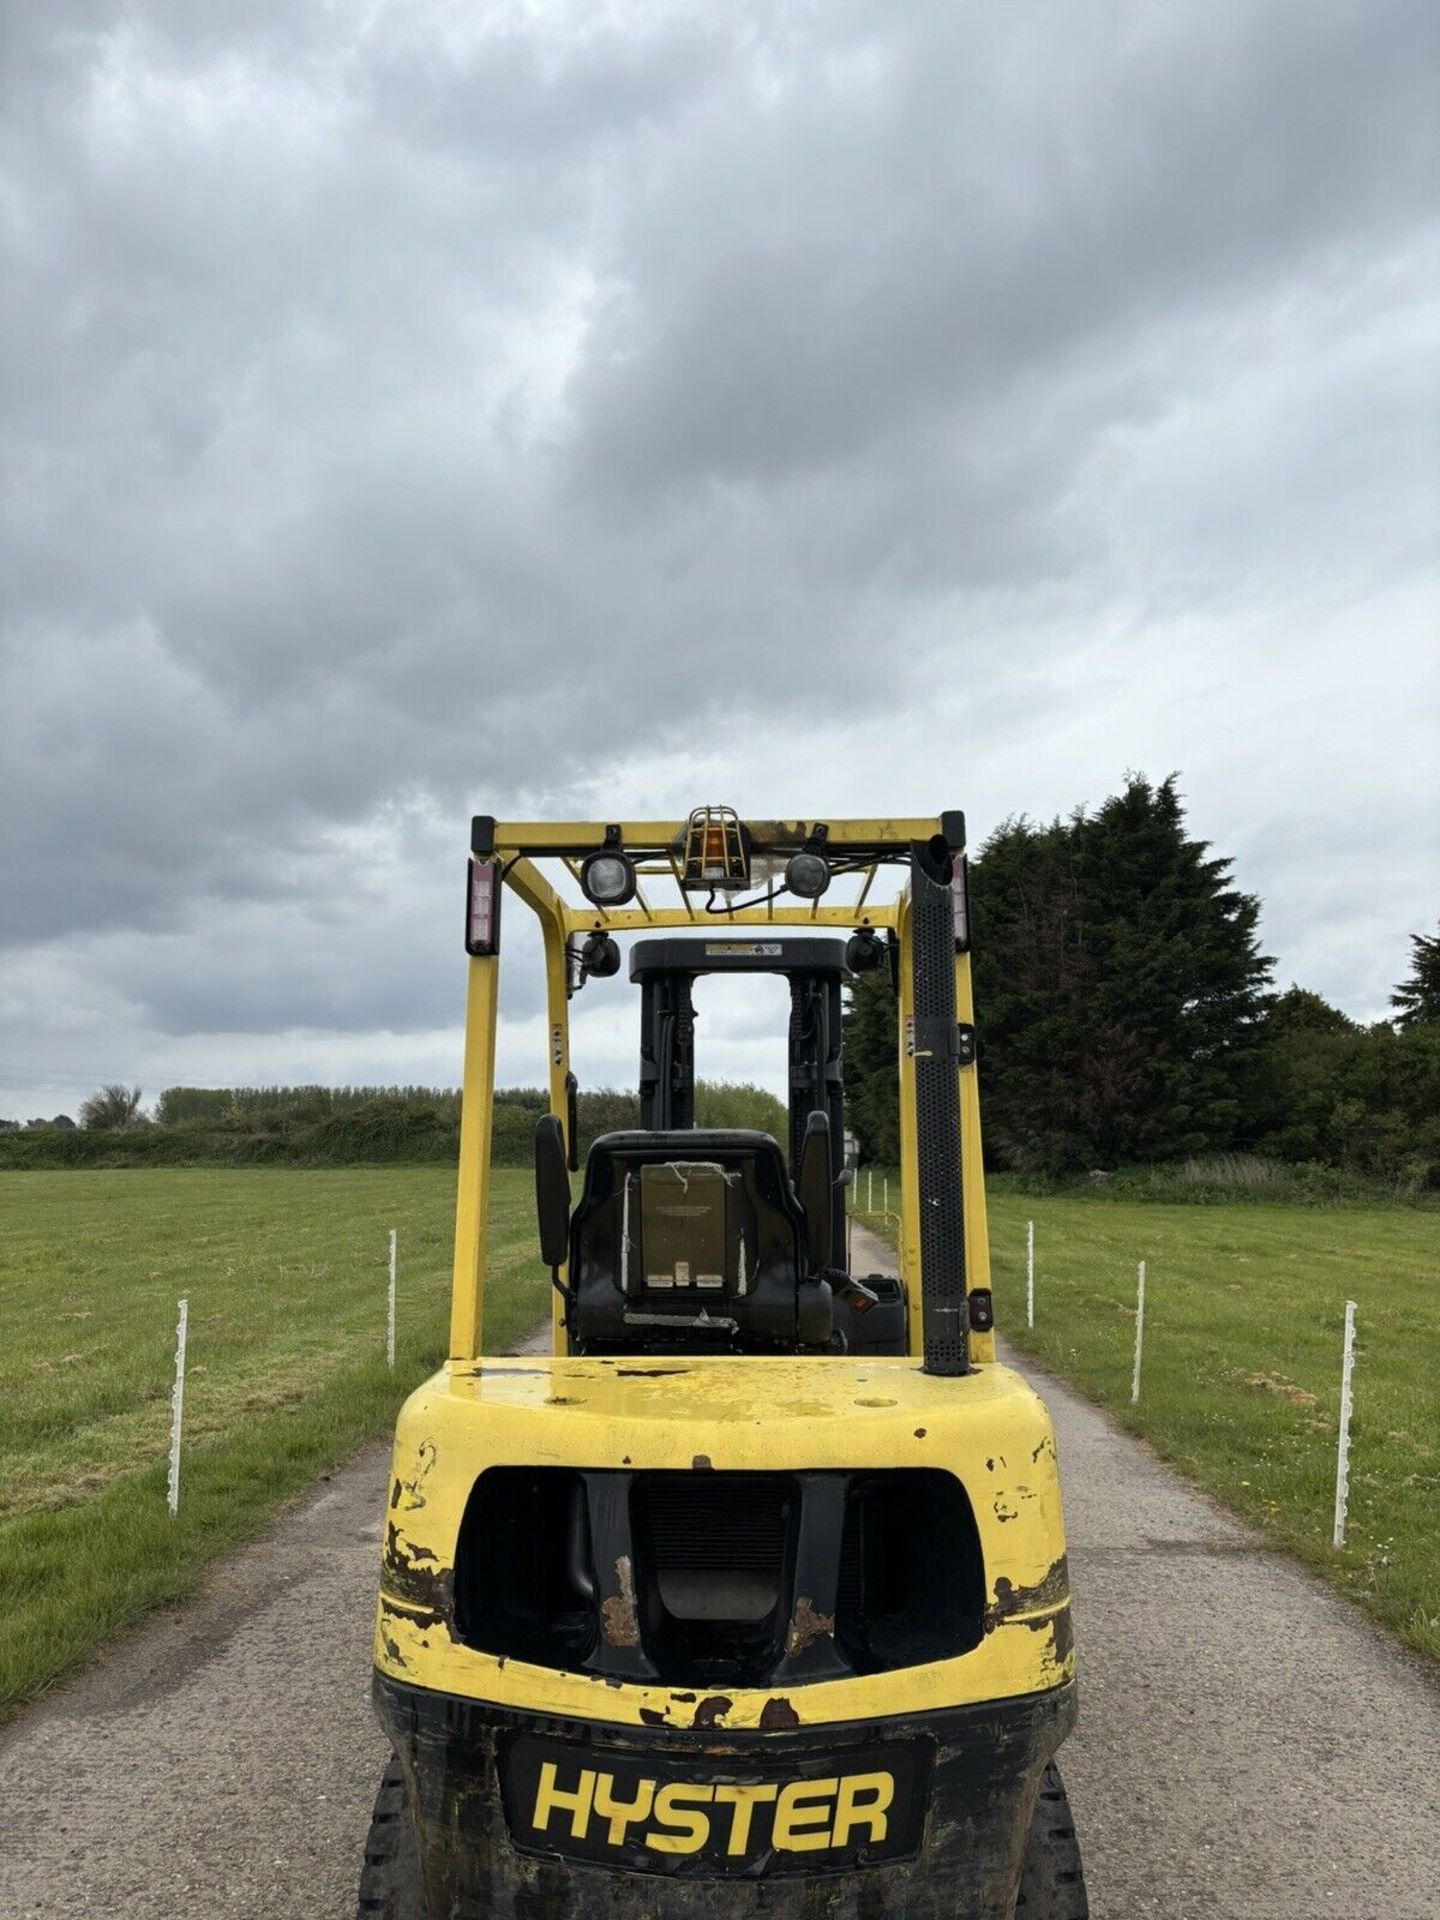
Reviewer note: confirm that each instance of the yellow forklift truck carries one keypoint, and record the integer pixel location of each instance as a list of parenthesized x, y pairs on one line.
[(750, 1597)]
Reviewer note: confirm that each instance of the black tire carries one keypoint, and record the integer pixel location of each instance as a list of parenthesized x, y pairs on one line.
[(390, 1884), (1052, 1886)]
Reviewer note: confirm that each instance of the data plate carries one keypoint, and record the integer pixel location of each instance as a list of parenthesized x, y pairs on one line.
[(692, 1816)]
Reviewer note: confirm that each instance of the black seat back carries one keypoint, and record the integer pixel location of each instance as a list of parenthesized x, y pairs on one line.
[(693, 1240)]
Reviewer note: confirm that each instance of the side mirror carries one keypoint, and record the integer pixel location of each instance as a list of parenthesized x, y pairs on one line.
[(814, 1190), (572, 1123), (552, 1192)]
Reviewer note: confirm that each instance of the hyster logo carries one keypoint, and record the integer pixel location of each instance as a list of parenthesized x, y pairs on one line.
[(803, 1816)]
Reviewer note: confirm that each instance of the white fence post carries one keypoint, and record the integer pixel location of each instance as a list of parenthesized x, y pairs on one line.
[(1342, 1453), (1029, 1273), (177, 1409), (390, 1308), (887, 1196), (869, 1190), (1139, 1334)]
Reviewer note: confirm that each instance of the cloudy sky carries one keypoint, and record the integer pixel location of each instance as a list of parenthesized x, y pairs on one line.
[(415, 409)]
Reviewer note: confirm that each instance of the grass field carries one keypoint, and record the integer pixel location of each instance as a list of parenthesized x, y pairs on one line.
[(285, 1272), (1244, 1311)]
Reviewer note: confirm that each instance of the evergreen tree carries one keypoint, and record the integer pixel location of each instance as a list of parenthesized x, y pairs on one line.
[(1119, 988), (1418, 997), (1033, 978), (872, 1111)]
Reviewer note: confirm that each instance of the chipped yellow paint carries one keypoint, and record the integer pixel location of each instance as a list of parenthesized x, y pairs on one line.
[(735, 1414)]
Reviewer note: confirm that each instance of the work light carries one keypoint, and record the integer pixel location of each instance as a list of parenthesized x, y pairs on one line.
[(482, 909), (864, 951), (600, 956), (807, 874), (608, 879)]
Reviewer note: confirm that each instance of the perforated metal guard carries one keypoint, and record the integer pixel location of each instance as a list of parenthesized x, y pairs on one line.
[(937, 1124)]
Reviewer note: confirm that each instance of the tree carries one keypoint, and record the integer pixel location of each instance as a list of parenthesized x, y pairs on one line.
[(112, 1107), (1363, 1099), (1418, 997), (1119, 987), (872, 1111)]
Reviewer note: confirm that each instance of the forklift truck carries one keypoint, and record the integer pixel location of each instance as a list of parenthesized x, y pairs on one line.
[(750, 1597)]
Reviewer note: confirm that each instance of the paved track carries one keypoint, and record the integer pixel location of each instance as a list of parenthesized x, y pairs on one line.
[(1249, 1749)]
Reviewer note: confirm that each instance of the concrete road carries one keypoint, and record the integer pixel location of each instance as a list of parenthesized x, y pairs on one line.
[(1249, 1748)]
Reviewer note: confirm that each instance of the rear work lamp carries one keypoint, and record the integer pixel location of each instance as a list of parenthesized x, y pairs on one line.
[(864, 951), (600, 957), (807, 874), (482, 909), (608, 878)]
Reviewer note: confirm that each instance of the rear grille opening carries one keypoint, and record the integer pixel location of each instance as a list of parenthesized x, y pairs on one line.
[(524, 1582), (710, 1555), (712, 1568), (912, 1576)]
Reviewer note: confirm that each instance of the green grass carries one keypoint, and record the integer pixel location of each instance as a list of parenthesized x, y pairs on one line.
[(285, 1272), (1244, 1311)]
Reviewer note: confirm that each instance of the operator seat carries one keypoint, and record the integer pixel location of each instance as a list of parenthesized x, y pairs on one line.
[(693, 1238)]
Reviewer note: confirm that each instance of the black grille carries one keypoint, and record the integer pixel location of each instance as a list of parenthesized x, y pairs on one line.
[(711, 1579)]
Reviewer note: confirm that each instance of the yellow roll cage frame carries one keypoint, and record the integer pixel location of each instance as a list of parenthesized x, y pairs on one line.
[(517, 846)]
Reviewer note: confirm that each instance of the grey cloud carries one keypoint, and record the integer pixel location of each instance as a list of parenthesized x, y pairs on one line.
[(976, 238), (441, 410)]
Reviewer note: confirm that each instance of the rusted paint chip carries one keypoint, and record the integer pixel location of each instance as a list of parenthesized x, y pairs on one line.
[(415, 1577), (777, 1714), (1047, 1593), (1064, 1643), (712, 1711), (701, 1463), (619, 1620), (806, 1627)]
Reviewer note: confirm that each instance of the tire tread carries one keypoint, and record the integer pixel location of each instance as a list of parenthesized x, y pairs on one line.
[(390, 1883), (1052, 1883)]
